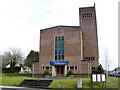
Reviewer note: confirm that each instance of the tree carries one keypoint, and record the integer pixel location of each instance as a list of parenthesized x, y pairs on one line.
[(107, 60), (33, 56), (13, 56), (100, 69)]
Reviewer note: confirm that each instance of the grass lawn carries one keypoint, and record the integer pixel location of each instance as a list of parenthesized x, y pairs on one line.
[(112, 82), (12, 79), (9, 79)]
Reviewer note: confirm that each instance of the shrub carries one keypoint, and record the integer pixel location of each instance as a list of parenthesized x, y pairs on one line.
[(11, 70), (46, 72), (100, 69), (70, 72), (6, 70), (17, 69), (94, 72)]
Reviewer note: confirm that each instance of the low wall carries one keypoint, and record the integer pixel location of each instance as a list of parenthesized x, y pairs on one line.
[(75, 75)]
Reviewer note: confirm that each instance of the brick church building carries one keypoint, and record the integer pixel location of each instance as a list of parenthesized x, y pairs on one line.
[(64, 48)]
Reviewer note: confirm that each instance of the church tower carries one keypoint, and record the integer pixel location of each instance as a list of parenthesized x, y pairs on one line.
[(88, 25)]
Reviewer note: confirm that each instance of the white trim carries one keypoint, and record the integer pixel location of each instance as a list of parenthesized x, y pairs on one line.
[(53, 71), (65, 70), (81, 35)]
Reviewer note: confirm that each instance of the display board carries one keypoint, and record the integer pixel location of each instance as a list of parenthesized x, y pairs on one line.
[(98, 78)]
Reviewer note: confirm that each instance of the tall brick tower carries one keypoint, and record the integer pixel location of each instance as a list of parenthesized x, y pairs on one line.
[(88, 25)]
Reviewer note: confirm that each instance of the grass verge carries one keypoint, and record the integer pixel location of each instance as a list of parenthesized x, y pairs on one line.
[(13, 79), (112, 82)]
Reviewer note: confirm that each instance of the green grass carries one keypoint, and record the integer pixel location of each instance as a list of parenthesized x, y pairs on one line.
[(112, 82), (64, 83), (13, 79), (10, 79)]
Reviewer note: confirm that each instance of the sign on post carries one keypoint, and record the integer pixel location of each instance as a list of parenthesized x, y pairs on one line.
[(98, 78)]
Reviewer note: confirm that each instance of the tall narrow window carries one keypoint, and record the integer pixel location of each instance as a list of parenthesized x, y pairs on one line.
[(59, 47)]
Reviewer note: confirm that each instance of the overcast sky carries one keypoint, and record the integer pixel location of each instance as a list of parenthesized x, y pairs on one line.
[(21, 21)]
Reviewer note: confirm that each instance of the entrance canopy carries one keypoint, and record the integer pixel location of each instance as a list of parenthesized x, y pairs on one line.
[(60, 62)]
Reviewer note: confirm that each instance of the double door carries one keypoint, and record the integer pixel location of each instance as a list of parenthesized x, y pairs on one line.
[(60, 71)]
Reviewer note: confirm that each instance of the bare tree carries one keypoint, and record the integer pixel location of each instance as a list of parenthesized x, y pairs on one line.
[(107, 60), (12, 55)]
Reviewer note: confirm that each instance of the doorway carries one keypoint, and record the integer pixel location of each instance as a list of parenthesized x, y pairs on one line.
[(60, 71)]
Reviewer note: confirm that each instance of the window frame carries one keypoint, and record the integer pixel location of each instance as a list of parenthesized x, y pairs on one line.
[(59, 48)]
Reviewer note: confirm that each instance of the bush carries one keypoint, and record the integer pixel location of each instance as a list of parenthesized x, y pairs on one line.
[(11, 70), (94, 72), (46, 72), (70, 72), (100, 69), (17, 69), (6, 70)]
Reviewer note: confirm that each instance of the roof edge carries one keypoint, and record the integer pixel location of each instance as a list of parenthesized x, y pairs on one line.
[(87, 7), (59, 26)]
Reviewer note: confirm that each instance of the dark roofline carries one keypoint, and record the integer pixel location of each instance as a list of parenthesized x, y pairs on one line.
[(86, 7), (59, 26)]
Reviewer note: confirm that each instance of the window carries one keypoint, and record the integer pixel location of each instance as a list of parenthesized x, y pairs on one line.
[(75, 67), (67, 67), (42, 68), (88, 58), (93, 68), (72, 67), (87, 15), (50, 68), (59, 47), (47, 68)]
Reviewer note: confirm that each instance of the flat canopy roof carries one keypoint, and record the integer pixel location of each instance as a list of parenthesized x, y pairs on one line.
[(59, 62)]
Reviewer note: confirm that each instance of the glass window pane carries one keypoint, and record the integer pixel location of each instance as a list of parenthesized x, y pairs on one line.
[(55, 45), (47, 67), (59, 38), (59, 45), (62, 57), (59, 51), (63, 51), (91, 15), (68, 67), (62, 45), (55, 51), (75, 67), (71, 67), (55, 57), (63, 39), (55, 39), (58, 57)]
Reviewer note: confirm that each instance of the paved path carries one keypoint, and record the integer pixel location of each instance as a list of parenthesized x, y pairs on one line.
[(18, 88)]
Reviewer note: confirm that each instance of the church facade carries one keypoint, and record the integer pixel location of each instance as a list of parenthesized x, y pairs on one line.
[(65, 48)]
